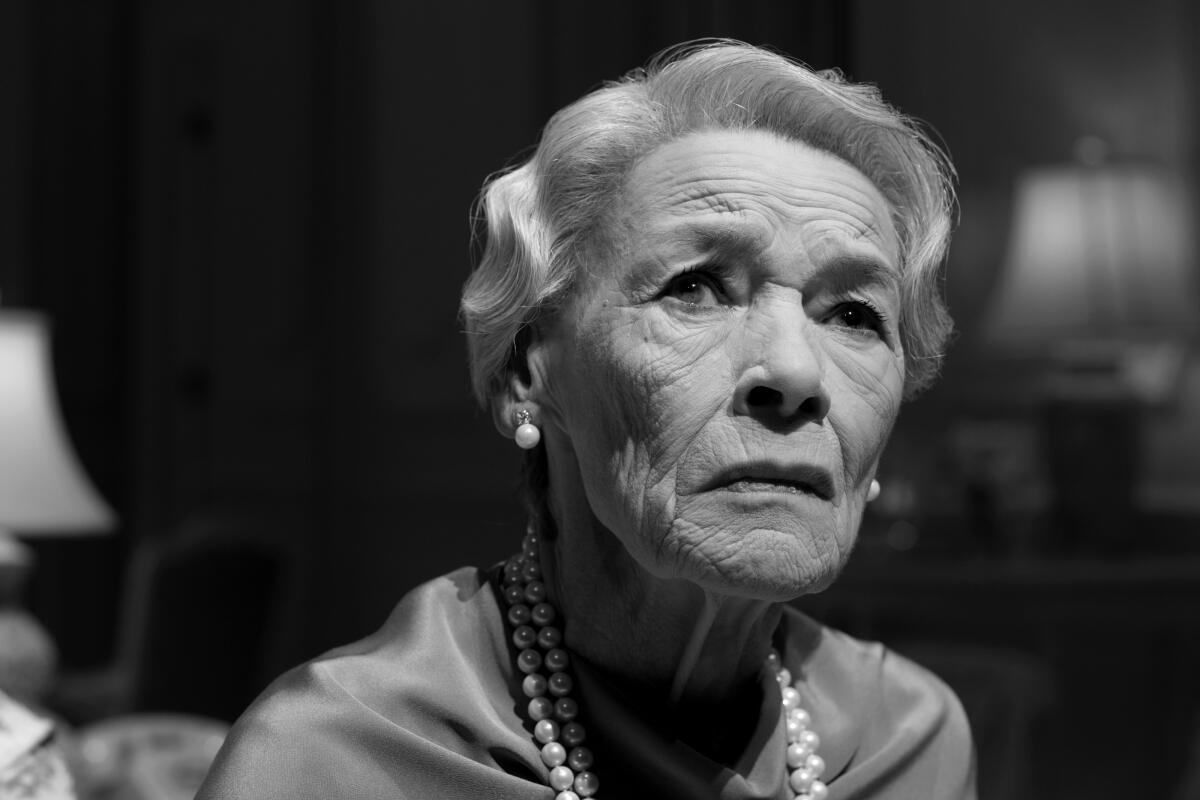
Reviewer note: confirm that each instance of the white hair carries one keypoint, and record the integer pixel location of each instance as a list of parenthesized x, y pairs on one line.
[(544, 218)]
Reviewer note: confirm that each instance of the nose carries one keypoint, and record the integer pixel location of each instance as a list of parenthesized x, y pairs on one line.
[(784, 381)]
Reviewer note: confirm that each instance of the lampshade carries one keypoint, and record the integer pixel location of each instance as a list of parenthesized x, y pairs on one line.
[(43, 488), (1096, 252)]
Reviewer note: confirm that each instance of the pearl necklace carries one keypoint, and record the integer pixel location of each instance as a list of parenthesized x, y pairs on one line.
[(548, 684)]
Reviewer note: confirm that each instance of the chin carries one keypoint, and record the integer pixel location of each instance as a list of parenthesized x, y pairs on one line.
[(770, 555)]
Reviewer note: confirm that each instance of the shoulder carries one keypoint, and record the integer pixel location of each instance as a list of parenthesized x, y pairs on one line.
[(890, 726), (389, 714)]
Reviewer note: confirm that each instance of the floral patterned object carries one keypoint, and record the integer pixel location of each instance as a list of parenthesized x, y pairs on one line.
[(31, 767)]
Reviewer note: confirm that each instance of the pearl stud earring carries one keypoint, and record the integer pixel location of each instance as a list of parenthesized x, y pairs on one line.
[(527, 434), (873, 492)]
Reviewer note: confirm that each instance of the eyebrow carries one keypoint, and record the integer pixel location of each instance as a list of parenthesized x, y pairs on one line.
[(731, 240), (841, 273), (850, 271), (726, 238)]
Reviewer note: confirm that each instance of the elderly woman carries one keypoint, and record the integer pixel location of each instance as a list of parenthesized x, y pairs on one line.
[(700, 304)]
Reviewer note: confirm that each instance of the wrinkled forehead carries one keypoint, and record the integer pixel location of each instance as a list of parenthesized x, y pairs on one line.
[(739, 188)]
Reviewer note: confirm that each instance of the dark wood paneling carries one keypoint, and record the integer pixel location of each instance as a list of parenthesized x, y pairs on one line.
[(78, 129), (16, 98)]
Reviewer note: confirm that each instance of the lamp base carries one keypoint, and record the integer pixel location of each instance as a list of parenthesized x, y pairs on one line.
[(28, 657), (1091, 435)]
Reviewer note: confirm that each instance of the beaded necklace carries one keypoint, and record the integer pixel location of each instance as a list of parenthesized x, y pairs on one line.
[(548, 684)]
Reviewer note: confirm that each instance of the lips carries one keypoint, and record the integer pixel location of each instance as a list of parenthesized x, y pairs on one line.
[(776, 478)]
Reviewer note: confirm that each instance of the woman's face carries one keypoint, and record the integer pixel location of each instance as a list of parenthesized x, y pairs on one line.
[(721, 385)]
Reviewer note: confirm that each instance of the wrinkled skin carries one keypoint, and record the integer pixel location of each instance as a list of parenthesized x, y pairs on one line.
[(714, 399)]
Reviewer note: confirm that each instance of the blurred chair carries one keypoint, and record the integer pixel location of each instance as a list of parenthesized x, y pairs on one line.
[(202, 629)]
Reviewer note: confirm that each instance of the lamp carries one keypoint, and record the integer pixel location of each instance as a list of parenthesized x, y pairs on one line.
[(44, 491), (1098, 285), (1100, 254)]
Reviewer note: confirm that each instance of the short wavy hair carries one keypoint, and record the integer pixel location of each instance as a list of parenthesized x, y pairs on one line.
[(542, 220)]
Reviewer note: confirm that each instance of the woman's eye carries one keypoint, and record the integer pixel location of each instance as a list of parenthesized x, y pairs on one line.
[(858, 315), (694, 288)]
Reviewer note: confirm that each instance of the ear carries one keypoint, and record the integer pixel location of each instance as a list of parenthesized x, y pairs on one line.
[(524, 385)]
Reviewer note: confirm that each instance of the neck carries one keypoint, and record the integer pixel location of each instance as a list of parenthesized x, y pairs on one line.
[(689, 716), (653, 636)]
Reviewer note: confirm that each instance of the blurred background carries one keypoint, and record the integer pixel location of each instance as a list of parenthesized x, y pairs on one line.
[(232, 237)]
